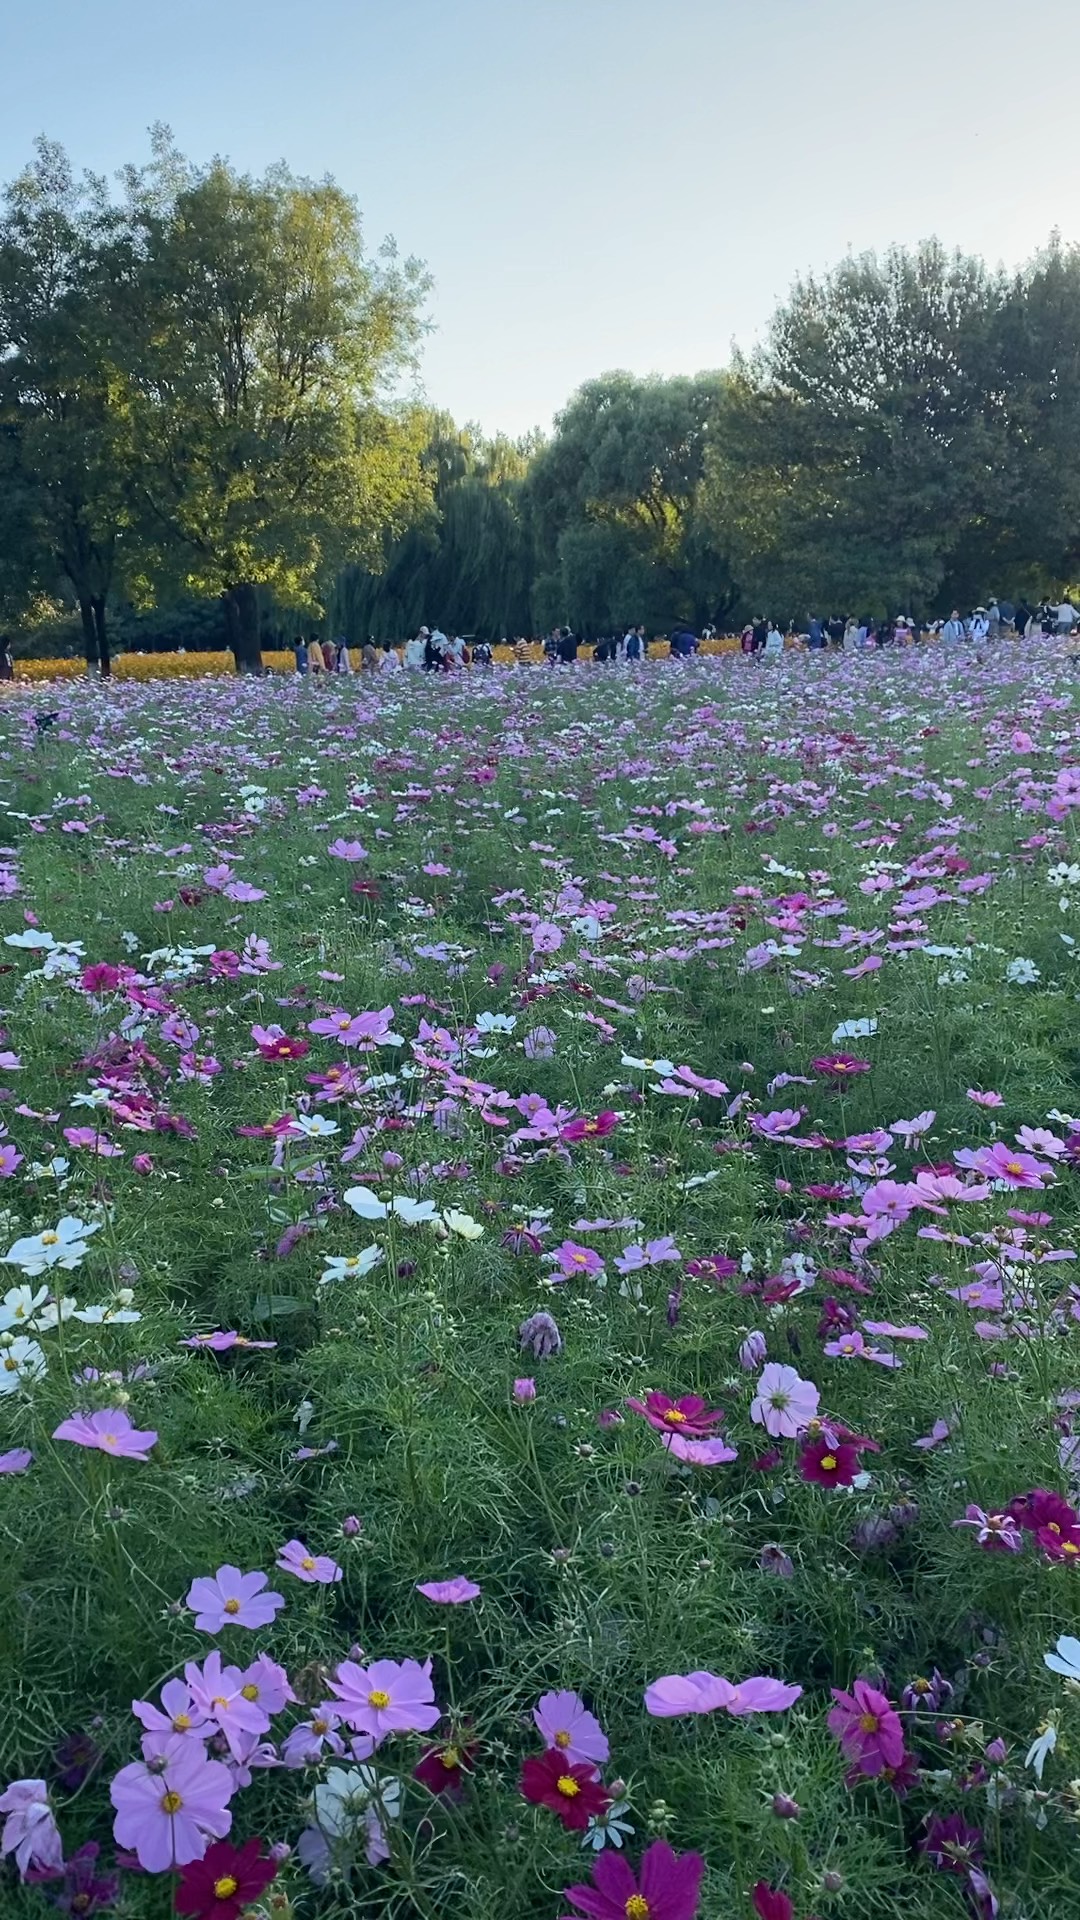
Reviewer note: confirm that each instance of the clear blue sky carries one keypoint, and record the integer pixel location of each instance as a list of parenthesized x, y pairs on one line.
[(593, 183)]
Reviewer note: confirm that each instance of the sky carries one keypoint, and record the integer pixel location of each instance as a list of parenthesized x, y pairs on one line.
[(592, 183)]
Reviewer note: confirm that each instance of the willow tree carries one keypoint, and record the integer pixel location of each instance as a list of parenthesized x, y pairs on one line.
[(265, 452)]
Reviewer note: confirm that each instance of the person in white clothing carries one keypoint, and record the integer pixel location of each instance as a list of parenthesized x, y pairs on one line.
[(1067, 617), (774, 642), (980, 625), (414, 651)]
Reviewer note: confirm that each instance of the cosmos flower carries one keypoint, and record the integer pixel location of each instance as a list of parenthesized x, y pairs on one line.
[(783, 1402), (230, 1598), (570, 1790), (110, 1431), (666, 1887)]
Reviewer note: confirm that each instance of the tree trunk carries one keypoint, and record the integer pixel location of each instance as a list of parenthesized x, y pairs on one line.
[(241, 605), (102, 635), (90, 638)]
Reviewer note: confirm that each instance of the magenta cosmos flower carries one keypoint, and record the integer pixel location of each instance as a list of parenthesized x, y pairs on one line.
[(564, 1723), (1010, 1165), (868, 1728), (389, 1696), (317, 1569), (839, 1066), (110, 1431), (167, 1807), (689, 1416), (667, 1887), (783, 1402), (449, 1593), (230, 1598)]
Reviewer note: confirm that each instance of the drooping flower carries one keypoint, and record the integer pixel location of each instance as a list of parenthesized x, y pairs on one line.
[(443, 1769), (317, 1569), (85, 1890), (868, 1728), (168, 1806), (389, 1696), (1066, 1657), (951, 1844), (666, 1887), (110, 1431), (230, 1598), (783, 1402), (30, 1831), (566, 1725), (572, 1791), (225, 1881)]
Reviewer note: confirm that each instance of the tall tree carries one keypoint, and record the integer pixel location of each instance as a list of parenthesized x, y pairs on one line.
[(66, 262), (466, 562), (613, 498), (860, 442), (264, 455)]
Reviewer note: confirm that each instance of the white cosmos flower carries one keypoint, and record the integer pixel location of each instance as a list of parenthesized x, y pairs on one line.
[(854, 1030), (350, 1266), (56, 1311), (21, 1359), (315, 1126), (35, 940), (101, 1316), (495, 1022), (1022, 973), (61, 1246), (1041, 1747), (414, 1212), (365, 1203), (343, 1798), (462, 1224), (20, 1305), (665, 1068), (1066, 1658)]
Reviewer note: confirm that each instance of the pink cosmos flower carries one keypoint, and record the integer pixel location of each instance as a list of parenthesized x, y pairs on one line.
[(1009, 1164), (702, 1692), (176, 1714), (564, 1722), (699, 1453), (30, 1831), (347, 849), (546, 937), (689, 1416), (389, 1696), (784, 1402), (449, 1593), (224, 1342), (985, 1099), (16, 1461), (761, 1694), (667, 1887), (773, 1125), (938, 1434), (168, 1806), (230, 1598), (317, 1569), (997, 1532), (110, 1431), (868, 1728), (572, 1260), (221, 1695)]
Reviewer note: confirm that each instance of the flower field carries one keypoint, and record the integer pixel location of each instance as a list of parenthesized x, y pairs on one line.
[(540, 1346)]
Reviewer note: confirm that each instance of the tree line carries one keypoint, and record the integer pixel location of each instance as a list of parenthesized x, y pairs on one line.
[(197, 381)]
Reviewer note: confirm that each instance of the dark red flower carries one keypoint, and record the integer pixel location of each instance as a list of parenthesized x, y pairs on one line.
[(225, 1881), (285, 1048), (442, 1769), (573, 1792), (828, 1462)]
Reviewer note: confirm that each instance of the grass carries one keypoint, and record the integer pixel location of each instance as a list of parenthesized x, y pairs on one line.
[(669, 823)]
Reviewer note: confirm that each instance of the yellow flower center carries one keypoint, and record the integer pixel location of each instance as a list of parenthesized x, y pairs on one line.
[(868, 1723), (378, 1698), (637, 1908), (10, 1365), (674, 1416), (568, 1786), (171, 1803), (108, 1439), (562, 1739), (449, 1758), (225, 1887), (50, 1239), (231, 1606), (219, 1700), (308, 1563), (181, 1722), (249, 1692), (828, 1464), (320, 1726), (345, 1021), (1069, 1546), (1013, 1166)]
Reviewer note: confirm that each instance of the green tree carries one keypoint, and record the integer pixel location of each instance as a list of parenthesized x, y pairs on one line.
[(265, 452), (466, 562), (862, 440), (66, 262), (614, 501)]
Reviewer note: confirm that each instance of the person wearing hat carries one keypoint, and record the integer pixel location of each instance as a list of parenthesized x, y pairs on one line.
[(980, 625)]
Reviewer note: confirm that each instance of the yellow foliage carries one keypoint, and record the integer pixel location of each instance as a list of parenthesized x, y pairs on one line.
[(201, 666)]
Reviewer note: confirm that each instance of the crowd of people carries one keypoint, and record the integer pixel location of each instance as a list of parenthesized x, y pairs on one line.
[(430, 650)]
